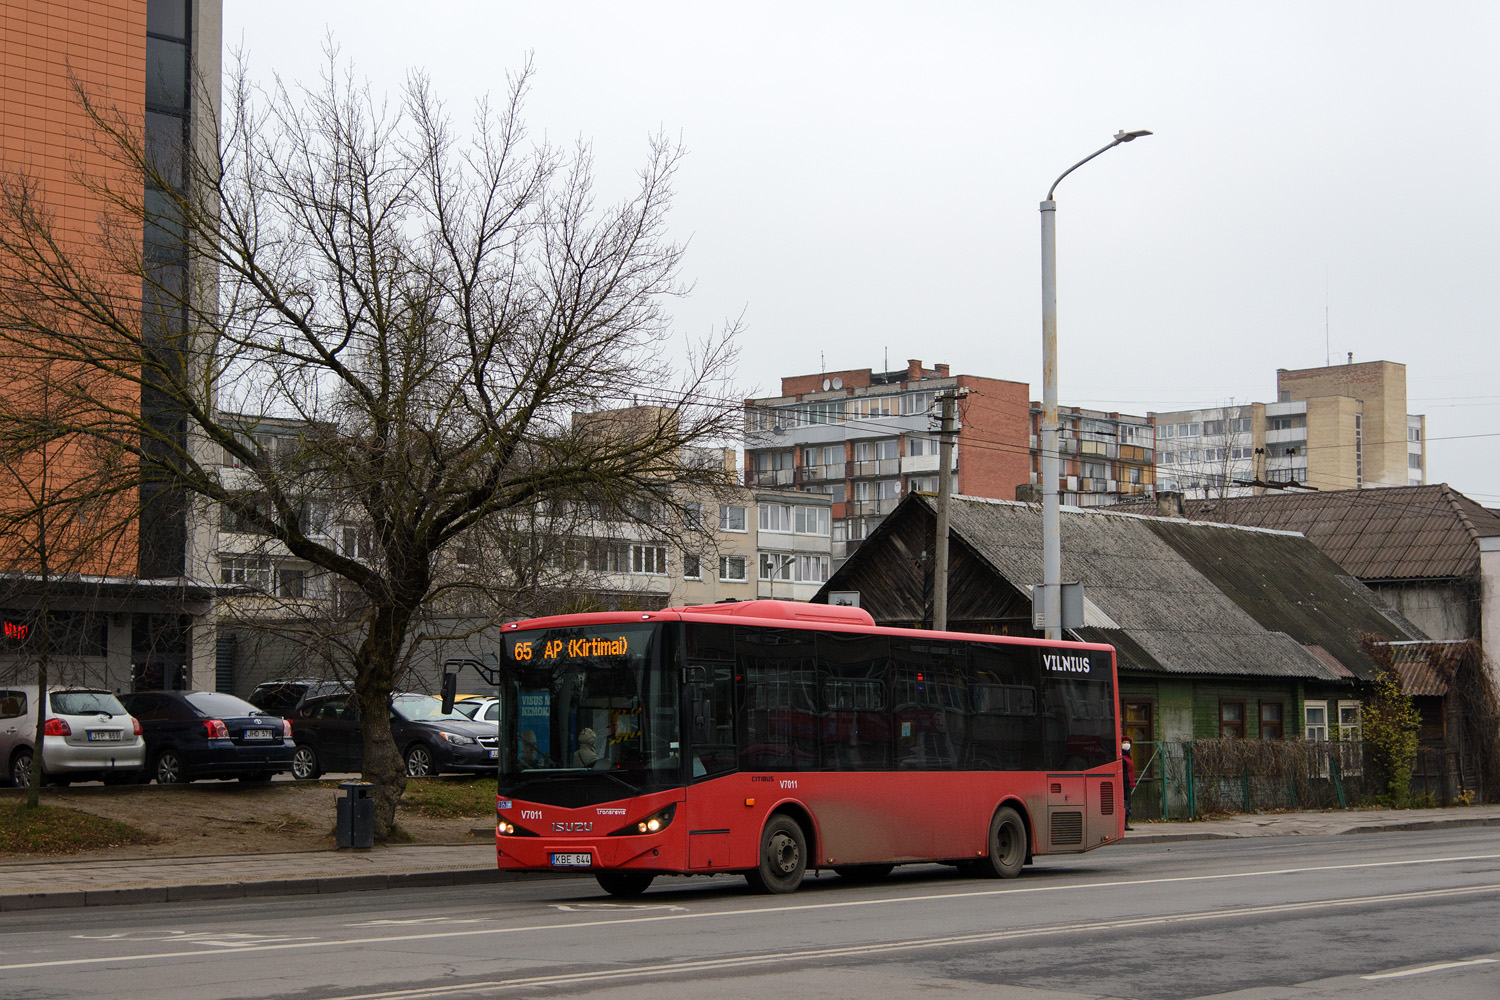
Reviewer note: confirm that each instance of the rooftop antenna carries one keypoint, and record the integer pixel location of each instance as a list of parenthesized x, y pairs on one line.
[(887, 360), (1327, 350)]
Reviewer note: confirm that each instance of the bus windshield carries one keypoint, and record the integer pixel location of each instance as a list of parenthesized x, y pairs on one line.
[(589, 707)]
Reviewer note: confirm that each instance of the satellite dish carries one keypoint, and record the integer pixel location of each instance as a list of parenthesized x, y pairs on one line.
[(838, 383), (827, 385)]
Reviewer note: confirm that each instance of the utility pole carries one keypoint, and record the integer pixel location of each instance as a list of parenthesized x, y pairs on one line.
[(947, 433)]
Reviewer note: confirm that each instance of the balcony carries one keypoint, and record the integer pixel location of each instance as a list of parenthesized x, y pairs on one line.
[(871, 508), (874, 468), (769, 477)]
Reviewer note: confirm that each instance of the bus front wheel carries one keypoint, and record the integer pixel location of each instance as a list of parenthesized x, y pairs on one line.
[(1007, 845), (783, 857), (625, 884)]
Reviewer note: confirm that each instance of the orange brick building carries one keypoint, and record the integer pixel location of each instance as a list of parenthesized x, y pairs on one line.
[(131, 612)]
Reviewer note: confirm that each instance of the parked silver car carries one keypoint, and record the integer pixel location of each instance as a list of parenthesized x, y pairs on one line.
[(87, 736)]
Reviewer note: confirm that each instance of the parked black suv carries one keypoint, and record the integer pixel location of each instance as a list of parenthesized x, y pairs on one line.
[(207, 734), (281, 697), (326, 731)]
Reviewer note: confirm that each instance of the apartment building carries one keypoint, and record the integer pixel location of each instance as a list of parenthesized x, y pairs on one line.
[(1334, 428), (132, 612), (1214, 451), (864, 438), (1103, 457)]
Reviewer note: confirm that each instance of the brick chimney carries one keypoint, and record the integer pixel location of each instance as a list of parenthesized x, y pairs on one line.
[(913, 369), (942, 370)]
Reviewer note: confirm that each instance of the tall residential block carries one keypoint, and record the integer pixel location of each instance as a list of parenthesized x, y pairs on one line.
[(865, 437)]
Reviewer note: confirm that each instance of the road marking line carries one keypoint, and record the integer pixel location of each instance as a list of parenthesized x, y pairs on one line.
[(978, 938), (1431, 968), (850, 951)]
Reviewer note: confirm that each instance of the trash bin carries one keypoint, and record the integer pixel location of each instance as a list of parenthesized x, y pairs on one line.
[(355, 826)]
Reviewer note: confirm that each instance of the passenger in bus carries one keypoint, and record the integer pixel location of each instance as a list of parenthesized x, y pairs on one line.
[(1129, 779), (587, 752)]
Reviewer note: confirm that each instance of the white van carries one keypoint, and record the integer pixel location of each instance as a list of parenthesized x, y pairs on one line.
[(88, 736)]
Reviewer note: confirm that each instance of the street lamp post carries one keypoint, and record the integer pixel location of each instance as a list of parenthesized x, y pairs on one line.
[(1051, 537)]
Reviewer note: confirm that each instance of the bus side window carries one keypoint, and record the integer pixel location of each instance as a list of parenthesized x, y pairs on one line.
[(710, 698)]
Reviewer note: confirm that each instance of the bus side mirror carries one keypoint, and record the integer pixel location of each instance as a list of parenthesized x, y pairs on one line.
[(450, 691)]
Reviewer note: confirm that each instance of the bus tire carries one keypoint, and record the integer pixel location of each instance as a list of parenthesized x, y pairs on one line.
[(1007, 845), (625, 884), (863, 873), (783, 857)]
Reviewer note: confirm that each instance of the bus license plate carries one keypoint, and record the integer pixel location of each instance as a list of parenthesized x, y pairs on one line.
[(572, 860), (104, 736)]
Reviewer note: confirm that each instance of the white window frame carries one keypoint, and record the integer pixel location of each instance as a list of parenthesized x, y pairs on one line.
[(726, 563), (692, 566), (726, 517), (775, 517)]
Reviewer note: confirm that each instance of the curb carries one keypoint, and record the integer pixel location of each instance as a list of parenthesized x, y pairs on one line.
[(72, 898)]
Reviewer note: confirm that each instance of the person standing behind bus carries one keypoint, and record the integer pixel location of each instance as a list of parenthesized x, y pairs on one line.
[(1129, 779)]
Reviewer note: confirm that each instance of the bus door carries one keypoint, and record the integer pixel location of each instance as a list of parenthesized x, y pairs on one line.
[(708, 698)]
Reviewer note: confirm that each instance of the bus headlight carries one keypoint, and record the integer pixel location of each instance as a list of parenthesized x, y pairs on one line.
[(655, 823)]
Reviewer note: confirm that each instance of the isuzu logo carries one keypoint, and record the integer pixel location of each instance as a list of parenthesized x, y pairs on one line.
[(572, 827)]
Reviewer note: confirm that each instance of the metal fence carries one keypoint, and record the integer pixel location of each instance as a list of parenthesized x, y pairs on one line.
[(1192, 780)]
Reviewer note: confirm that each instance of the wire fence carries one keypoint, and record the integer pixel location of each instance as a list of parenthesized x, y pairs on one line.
[(1201, 778)]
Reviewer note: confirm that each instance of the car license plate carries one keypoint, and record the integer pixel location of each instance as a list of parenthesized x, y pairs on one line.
[(257, 734), (572, 860), (104, 736), (494, 754)]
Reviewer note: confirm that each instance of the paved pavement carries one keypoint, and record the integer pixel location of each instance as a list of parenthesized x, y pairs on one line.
[(48, 883)]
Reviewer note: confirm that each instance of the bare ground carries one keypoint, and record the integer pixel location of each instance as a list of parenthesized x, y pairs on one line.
[(229, 817)]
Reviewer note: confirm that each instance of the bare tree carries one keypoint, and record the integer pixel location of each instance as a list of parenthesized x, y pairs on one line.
[(431, 304)]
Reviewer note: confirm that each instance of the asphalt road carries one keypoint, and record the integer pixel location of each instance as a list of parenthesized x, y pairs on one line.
[(1372, 916)]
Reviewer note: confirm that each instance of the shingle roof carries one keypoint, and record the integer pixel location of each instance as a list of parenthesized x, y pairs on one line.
[(1187, 598), (1394, 533)]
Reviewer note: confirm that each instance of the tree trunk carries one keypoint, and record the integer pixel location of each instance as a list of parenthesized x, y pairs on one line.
[(375, 664)]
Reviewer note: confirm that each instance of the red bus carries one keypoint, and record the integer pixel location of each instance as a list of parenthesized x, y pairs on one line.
[(771, 737)]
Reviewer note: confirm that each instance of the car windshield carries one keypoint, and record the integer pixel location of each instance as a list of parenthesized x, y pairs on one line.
[(85, 703), (216, 703), (423, 708), (588, 706)]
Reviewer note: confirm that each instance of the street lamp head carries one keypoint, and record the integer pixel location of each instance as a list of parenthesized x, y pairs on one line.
[(1123, 136)]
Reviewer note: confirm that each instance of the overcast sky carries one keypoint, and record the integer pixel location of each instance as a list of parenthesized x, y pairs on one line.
[(863, 179)]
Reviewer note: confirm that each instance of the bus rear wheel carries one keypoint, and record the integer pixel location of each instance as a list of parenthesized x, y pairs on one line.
[(1007, 846), (863, 873), (783, 857), (625, 884)]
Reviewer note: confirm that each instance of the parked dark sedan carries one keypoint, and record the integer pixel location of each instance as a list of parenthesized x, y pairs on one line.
[(328, 738), (206, 734)]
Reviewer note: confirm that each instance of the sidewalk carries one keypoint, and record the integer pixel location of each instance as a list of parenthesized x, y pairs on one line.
[(46, 884)]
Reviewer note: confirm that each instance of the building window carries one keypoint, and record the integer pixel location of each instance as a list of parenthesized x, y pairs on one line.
[(1137, 723), (1272, 726), (246, 571), (731, 568), (1413, 461), (692, 515), (731, 517), (648, 560), (812, 521), (774, 566), (1349, 721), (1315, 718), (691, 568), (1231, 718), (775, 517), (812, 569), (291, 583)]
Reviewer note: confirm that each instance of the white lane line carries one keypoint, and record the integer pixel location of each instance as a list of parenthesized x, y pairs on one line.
[(764, 910), (1431, 968), (852, 951)]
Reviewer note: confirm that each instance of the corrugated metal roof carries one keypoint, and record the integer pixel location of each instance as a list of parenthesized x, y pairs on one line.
[(1188, 598), (1391, 533), (1427, 667)]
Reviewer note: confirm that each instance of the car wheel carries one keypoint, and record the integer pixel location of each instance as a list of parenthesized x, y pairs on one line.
[(20, 768), (419, 762), (168, 768), (305, 764), (783, 857)]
